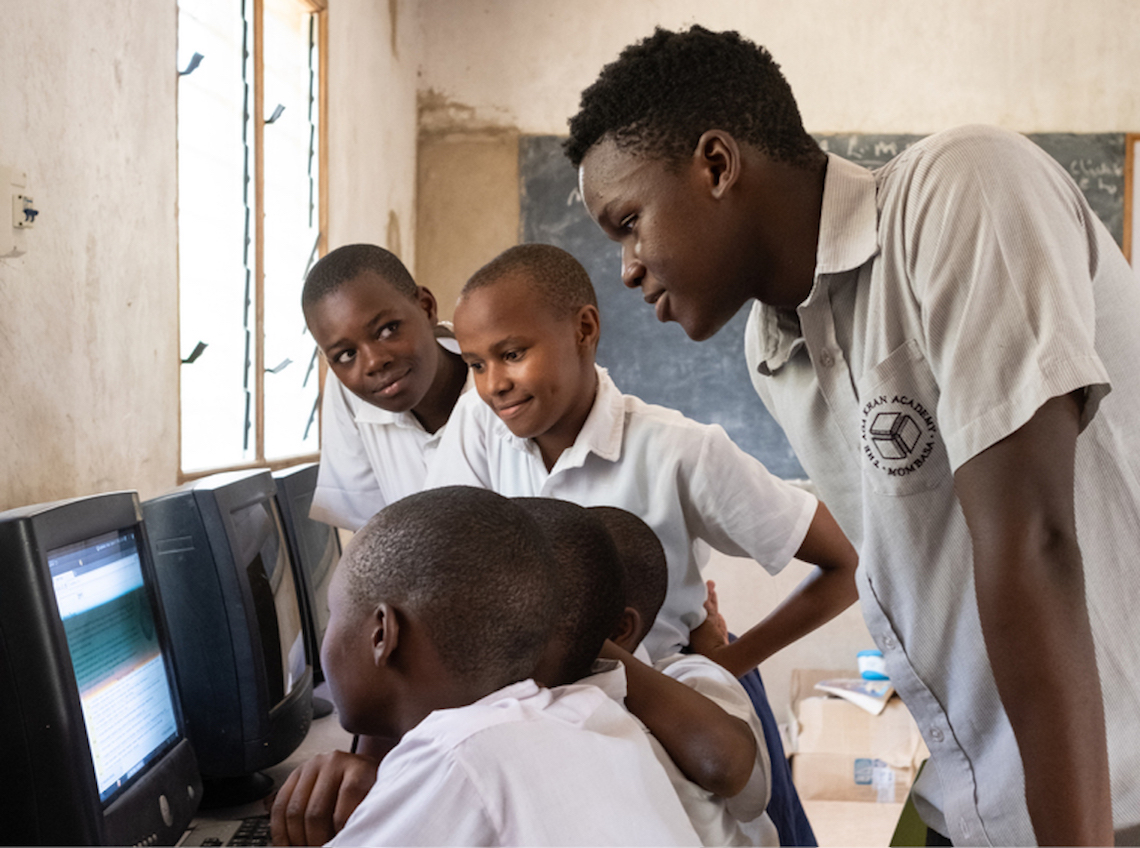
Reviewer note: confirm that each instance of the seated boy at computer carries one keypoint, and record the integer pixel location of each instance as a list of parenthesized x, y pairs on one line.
[(394, 376), (439, 611), (546, 421), (704, 732), (710, 747)]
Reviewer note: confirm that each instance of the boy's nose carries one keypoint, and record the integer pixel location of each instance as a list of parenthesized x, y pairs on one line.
[(632, 271), (498, 381), (376, 357)]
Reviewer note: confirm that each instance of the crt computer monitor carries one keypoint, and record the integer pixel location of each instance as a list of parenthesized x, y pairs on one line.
[(94, 746), (316, 551), (232, 603)]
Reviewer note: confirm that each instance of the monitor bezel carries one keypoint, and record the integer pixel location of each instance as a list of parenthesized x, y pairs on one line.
[(63, 772)]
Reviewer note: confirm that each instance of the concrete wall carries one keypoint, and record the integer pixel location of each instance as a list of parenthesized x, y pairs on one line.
[(89, 316), (517, 66), (374, 57)]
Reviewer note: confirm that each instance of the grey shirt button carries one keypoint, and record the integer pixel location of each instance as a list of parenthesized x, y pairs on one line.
[(889, 642), (826, 359), (936, 734)]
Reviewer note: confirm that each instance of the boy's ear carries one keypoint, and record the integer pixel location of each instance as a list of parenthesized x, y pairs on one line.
[(627, 634), (427, 303), (589, 327), (718, 156), (385, 634)]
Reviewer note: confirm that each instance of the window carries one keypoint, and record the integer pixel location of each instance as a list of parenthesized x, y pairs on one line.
[(250, 224)]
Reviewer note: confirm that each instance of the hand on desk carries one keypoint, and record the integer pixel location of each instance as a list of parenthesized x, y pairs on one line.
[(317, 798)]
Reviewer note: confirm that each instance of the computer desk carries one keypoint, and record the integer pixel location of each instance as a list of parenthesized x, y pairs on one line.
[(324, 735)]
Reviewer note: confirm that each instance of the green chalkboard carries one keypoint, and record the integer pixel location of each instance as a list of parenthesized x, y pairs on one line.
[(709, 381)]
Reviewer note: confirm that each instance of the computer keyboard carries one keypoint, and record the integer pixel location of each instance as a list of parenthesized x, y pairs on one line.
[(253, 830)]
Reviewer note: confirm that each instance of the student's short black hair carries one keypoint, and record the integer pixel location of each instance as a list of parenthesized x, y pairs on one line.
[(339, 266), (589, 578), (664, 92), (642, 557), (557, 277), (473, 565)]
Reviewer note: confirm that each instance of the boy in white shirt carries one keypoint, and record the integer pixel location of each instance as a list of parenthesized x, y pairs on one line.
[(440, 610), (741, 818), (706, 735), (548, 422), (395, 375)]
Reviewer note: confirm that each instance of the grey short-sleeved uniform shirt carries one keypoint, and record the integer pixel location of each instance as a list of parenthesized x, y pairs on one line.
[(957, 289)]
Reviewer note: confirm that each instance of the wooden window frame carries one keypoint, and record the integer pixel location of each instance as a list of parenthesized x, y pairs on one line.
[(319, 9)]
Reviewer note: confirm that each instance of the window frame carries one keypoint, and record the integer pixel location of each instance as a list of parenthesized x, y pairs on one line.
[(319, 10)]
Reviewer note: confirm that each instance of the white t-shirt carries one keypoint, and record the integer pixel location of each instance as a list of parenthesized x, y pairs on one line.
[(522, 766), (688, 481), (369, 457), (740, 820), (957, 289)]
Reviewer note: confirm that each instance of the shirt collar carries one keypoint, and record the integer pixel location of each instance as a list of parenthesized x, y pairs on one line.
[(609, 676), (848, 237), (601, 434)]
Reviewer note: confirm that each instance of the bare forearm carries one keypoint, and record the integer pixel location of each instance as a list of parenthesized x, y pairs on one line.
[(819, 598), (1017, 498), (1044, 663), (713, 749)]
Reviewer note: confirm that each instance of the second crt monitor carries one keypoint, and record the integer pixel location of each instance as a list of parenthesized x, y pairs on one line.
[(233, 606)]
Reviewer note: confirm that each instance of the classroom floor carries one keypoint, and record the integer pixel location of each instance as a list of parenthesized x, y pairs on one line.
[(856, 824)]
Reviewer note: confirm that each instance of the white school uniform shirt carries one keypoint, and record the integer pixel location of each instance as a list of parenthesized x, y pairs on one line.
[(688, 481), (523, 766), (740, 820), (717, 684), (369, 457), (957, 289)]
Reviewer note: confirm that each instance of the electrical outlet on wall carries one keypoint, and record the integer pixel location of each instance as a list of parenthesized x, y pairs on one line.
[(17, 212)]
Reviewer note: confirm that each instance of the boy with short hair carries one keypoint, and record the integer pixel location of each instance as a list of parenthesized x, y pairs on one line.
[(394, 376), (439, 611), (700, 742), (966, 292), (737, 819), (548, 422)]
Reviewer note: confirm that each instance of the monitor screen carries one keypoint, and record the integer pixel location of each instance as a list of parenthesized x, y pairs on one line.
[(91, 724), (315, 547), (257, 539), (124, 687)]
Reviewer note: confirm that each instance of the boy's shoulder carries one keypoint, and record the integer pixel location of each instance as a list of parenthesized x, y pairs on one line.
[(523, 703), (710, 679)]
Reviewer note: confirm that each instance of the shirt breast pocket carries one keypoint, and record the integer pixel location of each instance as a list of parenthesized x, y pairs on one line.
[(900, 444)]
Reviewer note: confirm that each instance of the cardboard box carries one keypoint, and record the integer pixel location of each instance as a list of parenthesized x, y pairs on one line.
[(843, 753)]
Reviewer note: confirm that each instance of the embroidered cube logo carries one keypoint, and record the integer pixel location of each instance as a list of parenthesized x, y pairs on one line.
[(895, 434)]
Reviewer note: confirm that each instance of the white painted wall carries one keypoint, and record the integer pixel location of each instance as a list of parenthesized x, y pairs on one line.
[(867, 66), (88, 317), (374, 57)]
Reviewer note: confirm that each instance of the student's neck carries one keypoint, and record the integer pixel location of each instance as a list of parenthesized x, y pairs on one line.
[(450, 376), (792, 234), (442, 692), (562, 436)]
